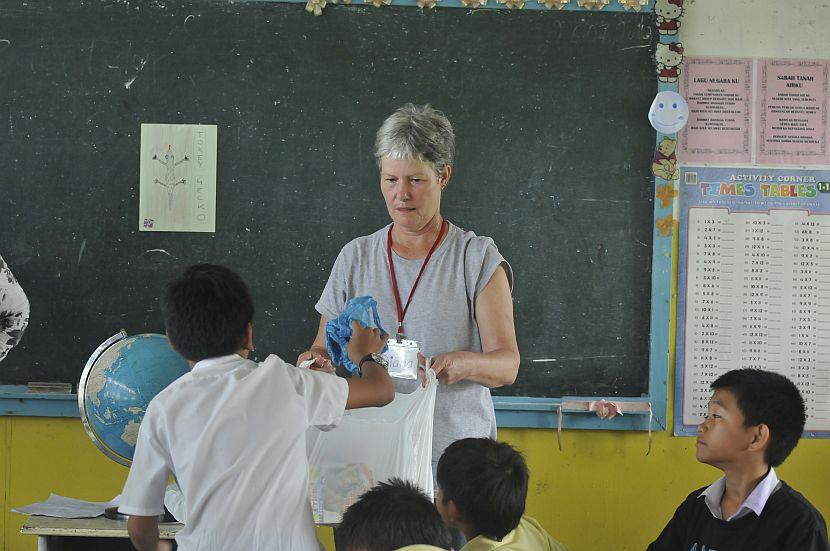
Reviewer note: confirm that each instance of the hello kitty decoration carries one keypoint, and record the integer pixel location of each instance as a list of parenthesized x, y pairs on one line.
[(668, 13)]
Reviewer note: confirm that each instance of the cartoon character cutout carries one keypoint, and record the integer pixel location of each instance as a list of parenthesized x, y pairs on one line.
[(669, 112), (669, 57), (665, 226), (170, 181), (668, 14), (665, 160)]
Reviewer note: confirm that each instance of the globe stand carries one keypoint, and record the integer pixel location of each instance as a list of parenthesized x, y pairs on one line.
[(112, 513)]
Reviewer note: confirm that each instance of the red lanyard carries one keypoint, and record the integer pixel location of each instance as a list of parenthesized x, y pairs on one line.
[(402, 311)]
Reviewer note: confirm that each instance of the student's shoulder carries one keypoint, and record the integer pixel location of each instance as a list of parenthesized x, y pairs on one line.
[(543, 537), (171, 391), (792, 502), (691, 501), (694, 494), (164, 404)]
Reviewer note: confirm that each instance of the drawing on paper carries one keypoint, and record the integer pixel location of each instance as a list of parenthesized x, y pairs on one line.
[(170, 182), (177, 178)]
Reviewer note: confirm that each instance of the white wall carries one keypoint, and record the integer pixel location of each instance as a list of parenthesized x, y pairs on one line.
[(757, 28)]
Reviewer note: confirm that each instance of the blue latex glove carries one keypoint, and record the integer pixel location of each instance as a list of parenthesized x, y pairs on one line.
[(339, 330)]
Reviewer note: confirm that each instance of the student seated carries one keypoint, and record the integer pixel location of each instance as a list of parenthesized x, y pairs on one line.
[(232, 431), (482, 488), (391, 516), (755, 420)]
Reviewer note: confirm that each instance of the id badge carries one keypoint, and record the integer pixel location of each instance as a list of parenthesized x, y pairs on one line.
[(403, 358)]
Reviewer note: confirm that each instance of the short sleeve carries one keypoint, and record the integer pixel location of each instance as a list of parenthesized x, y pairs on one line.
[(143, 492), (324, 395), (335, 294), (807, 532), (14, 310), (482, 260)]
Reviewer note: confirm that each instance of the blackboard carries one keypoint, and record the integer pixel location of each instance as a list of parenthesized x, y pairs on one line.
[(553, 162)]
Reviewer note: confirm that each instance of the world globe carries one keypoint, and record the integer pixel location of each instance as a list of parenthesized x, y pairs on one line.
[(117, 384)]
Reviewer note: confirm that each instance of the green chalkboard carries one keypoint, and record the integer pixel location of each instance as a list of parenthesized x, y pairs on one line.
[(553, 162)]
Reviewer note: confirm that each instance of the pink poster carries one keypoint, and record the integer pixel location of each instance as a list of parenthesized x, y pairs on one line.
[(792, 105), (719, 94)]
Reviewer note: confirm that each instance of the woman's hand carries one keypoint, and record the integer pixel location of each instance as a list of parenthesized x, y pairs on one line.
[(451, 367)]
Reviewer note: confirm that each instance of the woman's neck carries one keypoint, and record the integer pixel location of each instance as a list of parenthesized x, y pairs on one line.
[(415, 244)]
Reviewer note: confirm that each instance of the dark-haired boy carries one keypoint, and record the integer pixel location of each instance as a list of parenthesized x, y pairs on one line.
[(232, 431), (391, 516), (482, 488), (755, 420)]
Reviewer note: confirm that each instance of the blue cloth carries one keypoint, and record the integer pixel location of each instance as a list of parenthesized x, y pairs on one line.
[(339, 330)]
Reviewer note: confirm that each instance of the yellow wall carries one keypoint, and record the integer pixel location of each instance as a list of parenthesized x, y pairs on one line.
[(601, 491)]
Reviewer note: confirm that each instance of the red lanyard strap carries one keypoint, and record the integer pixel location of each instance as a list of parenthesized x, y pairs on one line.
[(402, 311)]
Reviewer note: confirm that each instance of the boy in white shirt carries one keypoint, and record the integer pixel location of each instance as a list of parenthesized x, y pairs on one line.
[(232, 431)]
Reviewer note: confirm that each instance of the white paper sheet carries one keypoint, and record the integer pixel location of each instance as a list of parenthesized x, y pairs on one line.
[(67, 507)]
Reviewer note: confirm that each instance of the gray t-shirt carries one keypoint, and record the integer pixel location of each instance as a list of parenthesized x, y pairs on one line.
[(441, 315)]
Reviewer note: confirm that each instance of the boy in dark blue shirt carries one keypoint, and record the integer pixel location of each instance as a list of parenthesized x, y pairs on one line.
[(755, 420)]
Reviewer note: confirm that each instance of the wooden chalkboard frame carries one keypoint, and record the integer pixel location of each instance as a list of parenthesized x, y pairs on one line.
[(512, 411)]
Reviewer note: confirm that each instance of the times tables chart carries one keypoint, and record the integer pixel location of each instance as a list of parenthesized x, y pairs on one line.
[(753, 284)]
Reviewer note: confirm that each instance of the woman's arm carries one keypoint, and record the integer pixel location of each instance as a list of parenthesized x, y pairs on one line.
[(498, 362)]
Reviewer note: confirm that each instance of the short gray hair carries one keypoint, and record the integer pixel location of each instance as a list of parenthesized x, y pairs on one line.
[(417, 132)]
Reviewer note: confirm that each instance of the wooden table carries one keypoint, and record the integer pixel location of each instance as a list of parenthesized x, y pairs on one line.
[(88, 534)]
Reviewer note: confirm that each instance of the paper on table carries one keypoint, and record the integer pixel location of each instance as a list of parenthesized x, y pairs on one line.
[(67, 507)]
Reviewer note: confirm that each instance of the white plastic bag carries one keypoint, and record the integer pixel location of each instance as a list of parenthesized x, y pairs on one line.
[(371, 445), (174, 501)]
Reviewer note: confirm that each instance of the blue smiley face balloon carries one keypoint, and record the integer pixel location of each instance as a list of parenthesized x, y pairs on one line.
[(669, 112)]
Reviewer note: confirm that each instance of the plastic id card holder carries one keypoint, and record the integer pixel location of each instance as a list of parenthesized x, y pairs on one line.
[(403, 358)]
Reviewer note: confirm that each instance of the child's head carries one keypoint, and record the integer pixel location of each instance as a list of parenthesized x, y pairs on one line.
[(390, 516), (482, 487), (751, 412), (207, 312)]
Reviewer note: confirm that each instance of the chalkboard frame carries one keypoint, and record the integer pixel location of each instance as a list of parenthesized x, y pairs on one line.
[(511, 411)]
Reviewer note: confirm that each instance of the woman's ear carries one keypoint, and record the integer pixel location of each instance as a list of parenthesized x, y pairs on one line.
[(444, 179)]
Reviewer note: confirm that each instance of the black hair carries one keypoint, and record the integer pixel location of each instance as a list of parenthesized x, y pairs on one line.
[(771, 399), (392, 515), (207, 311), (487, 480)]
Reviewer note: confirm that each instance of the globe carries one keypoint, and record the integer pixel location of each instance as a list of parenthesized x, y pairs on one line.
[(118, 382)]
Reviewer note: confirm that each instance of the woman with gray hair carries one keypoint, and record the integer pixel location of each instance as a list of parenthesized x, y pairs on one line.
[(444, 287)]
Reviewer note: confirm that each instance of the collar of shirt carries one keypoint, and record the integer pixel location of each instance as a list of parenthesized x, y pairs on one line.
[(219, 363), (754, 502)]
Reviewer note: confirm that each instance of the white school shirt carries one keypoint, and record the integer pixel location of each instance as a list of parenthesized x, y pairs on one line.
[(754, 502), (233, 434)]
